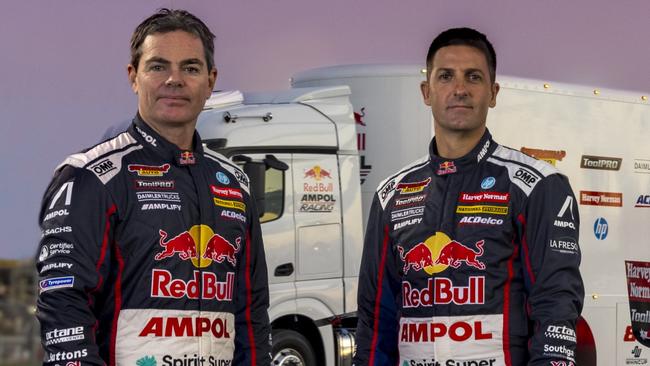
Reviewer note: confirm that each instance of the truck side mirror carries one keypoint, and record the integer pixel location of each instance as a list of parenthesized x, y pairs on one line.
[(256, 171)]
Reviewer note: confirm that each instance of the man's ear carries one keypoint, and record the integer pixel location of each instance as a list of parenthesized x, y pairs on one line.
[(132, 73), (424, 88), (212, 79), (495, 90)]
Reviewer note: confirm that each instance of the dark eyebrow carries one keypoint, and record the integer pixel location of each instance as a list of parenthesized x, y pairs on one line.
[(445, 69), (159, 60), (192, 61), (469, 71)]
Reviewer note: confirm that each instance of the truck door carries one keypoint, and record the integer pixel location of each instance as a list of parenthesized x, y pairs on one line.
[(317, 214)]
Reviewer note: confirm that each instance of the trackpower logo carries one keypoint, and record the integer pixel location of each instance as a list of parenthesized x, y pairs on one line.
[(600, 162)]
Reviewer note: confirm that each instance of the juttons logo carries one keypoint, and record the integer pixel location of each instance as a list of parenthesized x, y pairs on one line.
[(200, 245), (438, 252)]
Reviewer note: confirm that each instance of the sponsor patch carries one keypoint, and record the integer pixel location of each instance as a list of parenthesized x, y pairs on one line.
[(203, 286), (600, 162), (230, 204), (485, 197), (187, 158), (57, 230), (227, 214), (562, 221), (447, 167), (459, 331), (408, 201), (560, 332), (495, 210), (51, 266), (158, 196), (148, 138), (56, 336), (222, 178), (103, 167), (53, 214), (64, 356), (317, 203), (406, 223), (67, 188), (159, 326), (643, 201), (387, 189), (549, 156), (226, 192), (559, 351), (565, 245), (593, 198), (56, 283), (160, 206), (241, 178), (48, 250), (149, 170), (526, 177), (318, 173), (488, 182), (479, 220), (154, 184), (407, 213), (413, 187), (484, 150), (442, 291)]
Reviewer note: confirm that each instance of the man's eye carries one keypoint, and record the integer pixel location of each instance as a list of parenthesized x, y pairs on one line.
[(156, 68), (445, 76), (475, 77), (192, 69)]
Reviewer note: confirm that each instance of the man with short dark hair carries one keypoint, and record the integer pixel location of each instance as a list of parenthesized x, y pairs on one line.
[(151, 251), (471, 254)]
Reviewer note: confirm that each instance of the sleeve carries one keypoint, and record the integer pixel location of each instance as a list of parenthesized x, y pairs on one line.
[(72, 262), (378, 296), (253, 330), (551, 258)]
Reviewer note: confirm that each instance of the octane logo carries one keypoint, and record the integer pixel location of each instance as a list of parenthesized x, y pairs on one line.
[(200, 245), (447, 252)]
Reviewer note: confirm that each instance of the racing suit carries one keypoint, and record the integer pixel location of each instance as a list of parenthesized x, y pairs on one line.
[(471, 261), (151, 256)]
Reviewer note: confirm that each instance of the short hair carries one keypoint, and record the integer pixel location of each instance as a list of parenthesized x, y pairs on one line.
[(169, 20), (464, 37)]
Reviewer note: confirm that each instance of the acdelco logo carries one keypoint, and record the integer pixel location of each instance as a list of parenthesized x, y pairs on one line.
[(185, 327), (549, 156), (600, 162), (149, 170)]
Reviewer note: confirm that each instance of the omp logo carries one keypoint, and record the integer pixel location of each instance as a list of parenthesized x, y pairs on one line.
[(387, 189), (600, 162), (103, 167), (526, 176)]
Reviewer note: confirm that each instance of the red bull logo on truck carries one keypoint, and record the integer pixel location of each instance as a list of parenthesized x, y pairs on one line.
[(200, 245), (317, 173)]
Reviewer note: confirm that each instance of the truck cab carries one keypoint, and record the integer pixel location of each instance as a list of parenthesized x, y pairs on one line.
[(299, 149)]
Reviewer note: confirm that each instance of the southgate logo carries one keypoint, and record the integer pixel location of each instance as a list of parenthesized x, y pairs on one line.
[(601, 228), (600, 162), (601, 198)]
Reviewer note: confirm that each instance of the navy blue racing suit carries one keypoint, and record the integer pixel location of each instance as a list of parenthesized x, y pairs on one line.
[(471, 261), (151, 256)]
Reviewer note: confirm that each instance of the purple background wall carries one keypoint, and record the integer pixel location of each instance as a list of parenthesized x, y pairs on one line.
[(63, 63)]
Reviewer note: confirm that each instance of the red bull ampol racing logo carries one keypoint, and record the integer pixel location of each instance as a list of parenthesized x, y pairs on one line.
[(200, 245), (438, 252), (317, 173)]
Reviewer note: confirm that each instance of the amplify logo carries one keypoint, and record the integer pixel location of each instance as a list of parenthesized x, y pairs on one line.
[(600, 162), (549, 156), (593, 198)]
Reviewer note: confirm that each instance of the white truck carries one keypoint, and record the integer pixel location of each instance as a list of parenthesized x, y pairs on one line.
[(315, 160)]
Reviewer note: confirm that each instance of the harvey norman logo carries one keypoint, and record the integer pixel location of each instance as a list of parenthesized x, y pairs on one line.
[(593, 198), (600, 162)]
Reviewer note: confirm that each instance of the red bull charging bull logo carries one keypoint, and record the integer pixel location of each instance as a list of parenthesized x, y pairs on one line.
[(200, 245), (438, 252), (317, 173)]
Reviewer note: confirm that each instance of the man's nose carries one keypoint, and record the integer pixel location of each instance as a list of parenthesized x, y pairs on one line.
[(175, 78), (460, 89)]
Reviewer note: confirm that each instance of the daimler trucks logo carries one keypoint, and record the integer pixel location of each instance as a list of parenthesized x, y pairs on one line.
[(600, 162), (642, 166)]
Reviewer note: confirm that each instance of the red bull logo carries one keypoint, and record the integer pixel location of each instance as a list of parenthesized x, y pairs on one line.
[(200, 245), (317, 173), (187, 158), (358, 117), (439, 252), (447, 167)]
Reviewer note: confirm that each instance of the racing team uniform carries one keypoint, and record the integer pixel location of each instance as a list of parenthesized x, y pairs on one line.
[(151, 256), (471, 261)]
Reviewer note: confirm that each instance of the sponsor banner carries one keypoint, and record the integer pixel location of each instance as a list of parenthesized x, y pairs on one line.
[(495, 210), (638, 287), (484, 197), (600, 162), (149, 170), (549, 156), (593, 198), (154, 184), (643, 201), (642, 166), (452, 340), (601, 228), (412, 187), (178, 334), (230, 204), (226, 192)]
